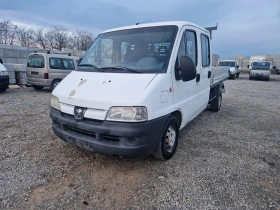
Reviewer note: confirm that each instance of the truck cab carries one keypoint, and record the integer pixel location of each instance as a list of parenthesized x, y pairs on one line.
[(136, 88), (234, 67)]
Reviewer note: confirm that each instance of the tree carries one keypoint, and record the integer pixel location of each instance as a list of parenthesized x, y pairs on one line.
[(81, 40), (7, 32), (26, 37), (57, 37), (41, 39)]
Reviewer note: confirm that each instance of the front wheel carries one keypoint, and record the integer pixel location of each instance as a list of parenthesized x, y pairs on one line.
[(237, 75), (168, 143)]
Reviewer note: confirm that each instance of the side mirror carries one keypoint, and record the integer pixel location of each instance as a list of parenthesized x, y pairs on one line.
[(274, 67), (188, 69), (79, 61), (248, 66), (237, 66)]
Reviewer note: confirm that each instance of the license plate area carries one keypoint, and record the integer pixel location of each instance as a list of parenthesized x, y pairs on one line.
[(34, 72)]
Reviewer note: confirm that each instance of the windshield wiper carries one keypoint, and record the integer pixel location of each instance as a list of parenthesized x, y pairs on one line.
[(121, 67), (90, 65)]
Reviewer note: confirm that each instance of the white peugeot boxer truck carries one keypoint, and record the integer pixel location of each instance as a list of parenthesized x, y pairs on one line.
[(136, 88)]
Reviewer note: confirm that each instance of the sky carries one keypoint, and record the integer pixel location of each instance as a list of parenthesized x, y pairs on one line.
[(245, 26)]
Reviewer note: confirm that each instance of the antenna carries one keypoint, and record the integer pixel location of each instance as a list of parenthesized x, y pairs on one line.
[(143, 22)]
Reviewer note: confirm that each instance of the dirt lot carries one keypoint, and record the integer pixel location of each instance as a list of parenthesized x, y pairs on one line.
[(225, 160)]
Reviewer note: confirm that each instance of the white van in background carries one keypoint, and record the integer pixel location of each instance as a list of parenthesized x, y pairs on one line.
[(260, 70), (48, 69), (234, 67), (136, 87)]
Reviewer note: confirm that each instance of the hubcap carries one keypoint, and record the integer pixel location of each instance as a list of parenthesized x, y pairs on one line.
[(170, 138), (55, 84)]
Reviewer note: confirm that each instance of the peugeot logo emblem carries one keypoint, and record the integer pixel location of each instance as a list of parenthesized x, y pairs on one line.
[(79, 112)]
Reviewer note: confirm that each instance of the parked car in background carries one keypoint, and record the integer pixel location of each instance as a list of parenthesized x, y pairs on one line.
[(136, 87), (47, 69), (234, 67), (4, 78), (260, 70), (277, 70)]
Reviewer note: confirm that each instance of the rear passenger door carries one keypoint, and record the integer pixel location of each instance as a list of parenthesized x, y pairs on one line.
[(205, 71)]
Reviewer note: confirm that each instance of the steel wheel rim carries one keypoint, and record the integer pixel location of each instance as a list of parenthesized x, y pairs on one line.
[(220, 100), (170, 138), (55, 84)]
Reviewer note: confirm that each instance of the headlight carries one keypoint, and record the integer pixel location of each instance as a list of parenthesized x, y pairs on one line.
[(127, 114), (3, 73), (55, 103)]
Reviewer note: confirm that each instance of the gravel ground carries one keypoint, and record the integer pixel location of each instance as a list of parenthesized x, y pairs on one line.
[(225, 160)]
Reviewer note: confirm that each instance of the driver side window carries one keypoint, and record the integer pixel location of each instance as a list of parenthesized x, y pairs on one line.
[(188, 47)]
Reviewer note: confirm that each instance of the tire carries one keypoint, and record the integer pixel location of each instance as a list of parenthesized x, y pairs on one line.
[(37, 87), (54, 84), (168, 143), (237, 75), (216, 104), (232, 77), (250, 78), (2, 90)]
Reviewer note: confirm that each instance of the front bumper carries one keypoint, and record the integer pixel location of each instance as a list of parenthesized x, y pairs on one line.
[(259, 76), (4, 82), (110, 138)]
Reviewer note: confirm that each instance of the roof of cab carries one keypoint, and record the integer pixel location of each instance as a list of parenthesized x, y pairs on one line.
[(169, 23)]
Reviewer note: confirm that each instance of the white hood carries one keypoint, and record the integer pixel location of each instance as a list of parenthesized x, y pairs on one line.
[(232, 69), (102, 90), (2, 67)]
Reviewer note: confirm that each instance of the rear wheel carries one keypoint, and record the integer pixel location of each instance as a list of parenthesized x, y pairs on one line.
[(216, 104), (37, 87), (54, 84), (250, 78), (168, 143)]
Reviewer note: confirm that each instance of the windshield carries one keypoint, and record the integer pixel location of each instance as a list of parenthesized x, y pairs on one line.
[(227, 63), (138, 50), (36, 61), (261, 65)]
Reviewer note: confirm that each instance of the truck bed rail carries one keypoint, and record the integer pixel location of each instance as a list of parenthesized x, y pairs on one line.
[(219, 74)]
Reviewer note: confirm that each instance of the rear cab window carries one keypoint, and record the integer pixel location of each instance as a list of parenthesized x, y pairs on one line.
[(36, 61), (205, 49)]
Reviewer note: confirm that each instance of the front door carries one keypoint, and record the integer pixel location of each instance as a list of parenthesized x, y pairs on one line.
[(186, 94)]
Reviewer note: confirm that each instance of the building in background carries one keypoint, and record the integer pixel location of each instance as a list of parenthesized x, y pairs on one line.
[(215, 59)]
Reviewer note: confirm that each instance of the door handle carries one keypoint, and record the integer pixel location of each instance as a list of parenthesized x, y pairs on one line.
[(209, 74), (197, 77)]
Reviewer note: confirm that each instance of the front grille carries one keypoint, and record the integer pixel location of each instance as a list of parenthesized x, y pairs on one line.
[(94, 121), (91, 134)]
